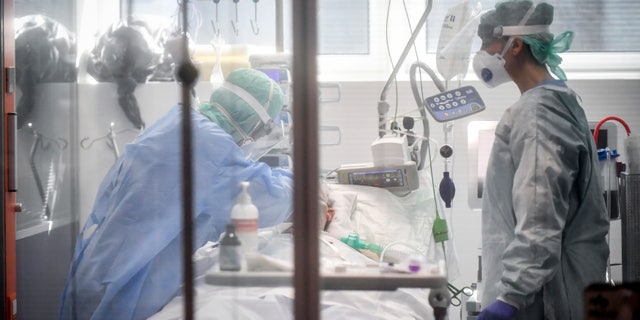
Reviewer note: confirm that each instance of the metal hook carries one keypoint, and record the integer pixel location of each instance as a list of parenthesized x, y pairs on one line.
[(110, 137), (216, 29), (254, 21), (214, 24), (44, 141), (234, 24)]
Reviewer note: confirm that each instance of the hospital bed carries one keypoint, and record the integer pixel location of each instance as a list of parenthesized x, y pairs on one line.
[(401, 225)]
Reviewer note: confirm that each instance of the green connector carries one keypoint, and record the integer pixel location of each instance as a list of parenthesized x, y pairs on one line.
[(353, 240), (440, 231)]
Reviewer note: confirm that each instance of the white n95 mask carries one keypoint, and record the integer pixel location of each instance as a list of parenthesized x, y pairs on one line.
[(490, 69)]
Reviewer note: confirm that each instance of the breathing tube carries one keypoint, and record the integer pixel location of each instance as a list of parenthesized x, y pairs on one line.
[(596, 131)]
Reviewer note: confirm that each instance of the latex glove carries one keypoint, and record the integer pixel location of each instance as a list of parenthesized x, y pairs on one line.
[(498, 310)]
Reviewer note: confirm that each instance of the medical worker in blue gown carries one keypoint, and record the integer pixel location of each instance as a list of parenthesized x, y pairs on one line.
[(544, 222), (127, 261)]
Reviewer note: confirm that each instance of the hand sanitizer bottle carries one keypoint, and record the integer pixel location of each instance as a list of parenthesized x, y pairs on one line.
[(244, 216)]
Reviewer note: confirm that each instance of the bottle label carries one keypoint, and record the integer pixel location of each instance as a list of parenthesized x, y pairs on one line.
[(245, 225)]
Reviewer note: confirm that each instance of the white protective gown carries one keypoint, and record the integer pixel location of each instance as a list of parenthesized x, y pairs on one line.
[(544, 220)]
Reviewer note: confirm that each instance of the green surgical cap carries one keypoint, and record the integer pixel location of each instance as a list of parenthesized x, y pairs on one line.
[(230, 106), (544, 47)]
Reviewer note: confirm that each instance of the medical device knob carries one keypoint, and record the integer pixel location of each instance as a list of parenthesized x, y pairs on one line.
[(446, 151)]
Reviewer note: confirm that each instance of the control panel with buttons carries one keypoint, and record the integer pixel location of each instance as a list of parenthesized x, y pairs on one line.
[(454, 104)]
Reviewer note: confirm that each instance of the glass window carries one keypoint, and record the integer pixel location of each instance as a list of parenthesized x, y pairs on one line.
[(599, 26), (343, 27)]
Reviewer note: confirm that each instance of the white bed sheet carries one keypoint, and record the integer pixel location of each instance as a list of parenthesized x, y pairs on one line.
[(376, 215), (219, 302)]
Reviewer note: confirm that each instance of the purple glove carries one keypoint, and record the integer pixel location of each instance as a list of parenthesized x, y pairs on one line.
[(498, 311)]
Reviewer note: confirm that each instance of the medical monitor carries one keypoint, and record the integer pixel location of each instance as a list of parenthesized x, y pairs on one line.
[(480, 140)]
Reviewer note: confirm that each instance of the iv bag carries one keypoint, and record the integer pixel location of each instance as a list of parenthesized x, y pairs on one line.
[(454, 46)]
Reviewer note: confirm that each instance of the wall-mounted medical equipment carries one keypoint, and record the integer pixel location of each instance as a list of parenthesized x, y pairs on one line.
[(605, 137), (454, 104), (445, 106), (627, 204), (400, 178), (391, 169), (628, 200)]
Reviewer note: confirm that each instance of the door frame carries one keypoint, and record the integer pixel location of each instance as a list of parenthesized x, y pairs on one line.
[(7, 162)]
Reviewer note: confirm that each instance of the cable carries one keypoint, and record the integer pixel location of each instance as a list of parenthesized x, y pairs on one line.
[(415, 49), (395, 80), (382, 105), (419, 101), (386, 248)]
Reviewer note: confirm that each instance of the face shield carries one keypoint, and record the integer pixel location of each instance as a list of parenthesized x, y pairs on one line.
[(270, 138)]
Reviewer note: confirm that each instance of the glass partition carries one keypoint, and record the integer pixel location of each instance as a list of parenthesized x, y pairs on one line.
[(143, 112), (46, 152)]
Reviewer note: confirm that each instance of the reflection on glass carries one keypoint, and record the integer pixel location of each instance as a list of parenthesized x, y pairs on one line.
[(45, 58), (45, 71)]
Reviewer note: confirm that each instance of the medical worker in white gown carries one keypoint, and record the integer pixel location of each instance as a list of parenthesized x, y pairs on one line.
[(544, 221), (127, 260)]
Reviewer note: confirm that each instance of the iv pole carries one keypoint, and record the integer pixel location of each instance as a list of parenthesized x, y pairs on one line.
[(383, 105), (438, 297)]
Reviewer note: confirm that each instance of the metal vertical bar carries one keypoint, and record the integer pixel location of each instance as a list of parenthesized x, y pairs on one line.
[(187, 169), (305, 159), (10, 149), (279, 26), (630, 215), (3, 236)]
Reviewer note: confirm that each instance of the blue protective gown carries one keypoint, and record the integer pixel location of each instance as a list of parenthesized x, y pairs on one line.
[(544, 221), (130, 266)]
